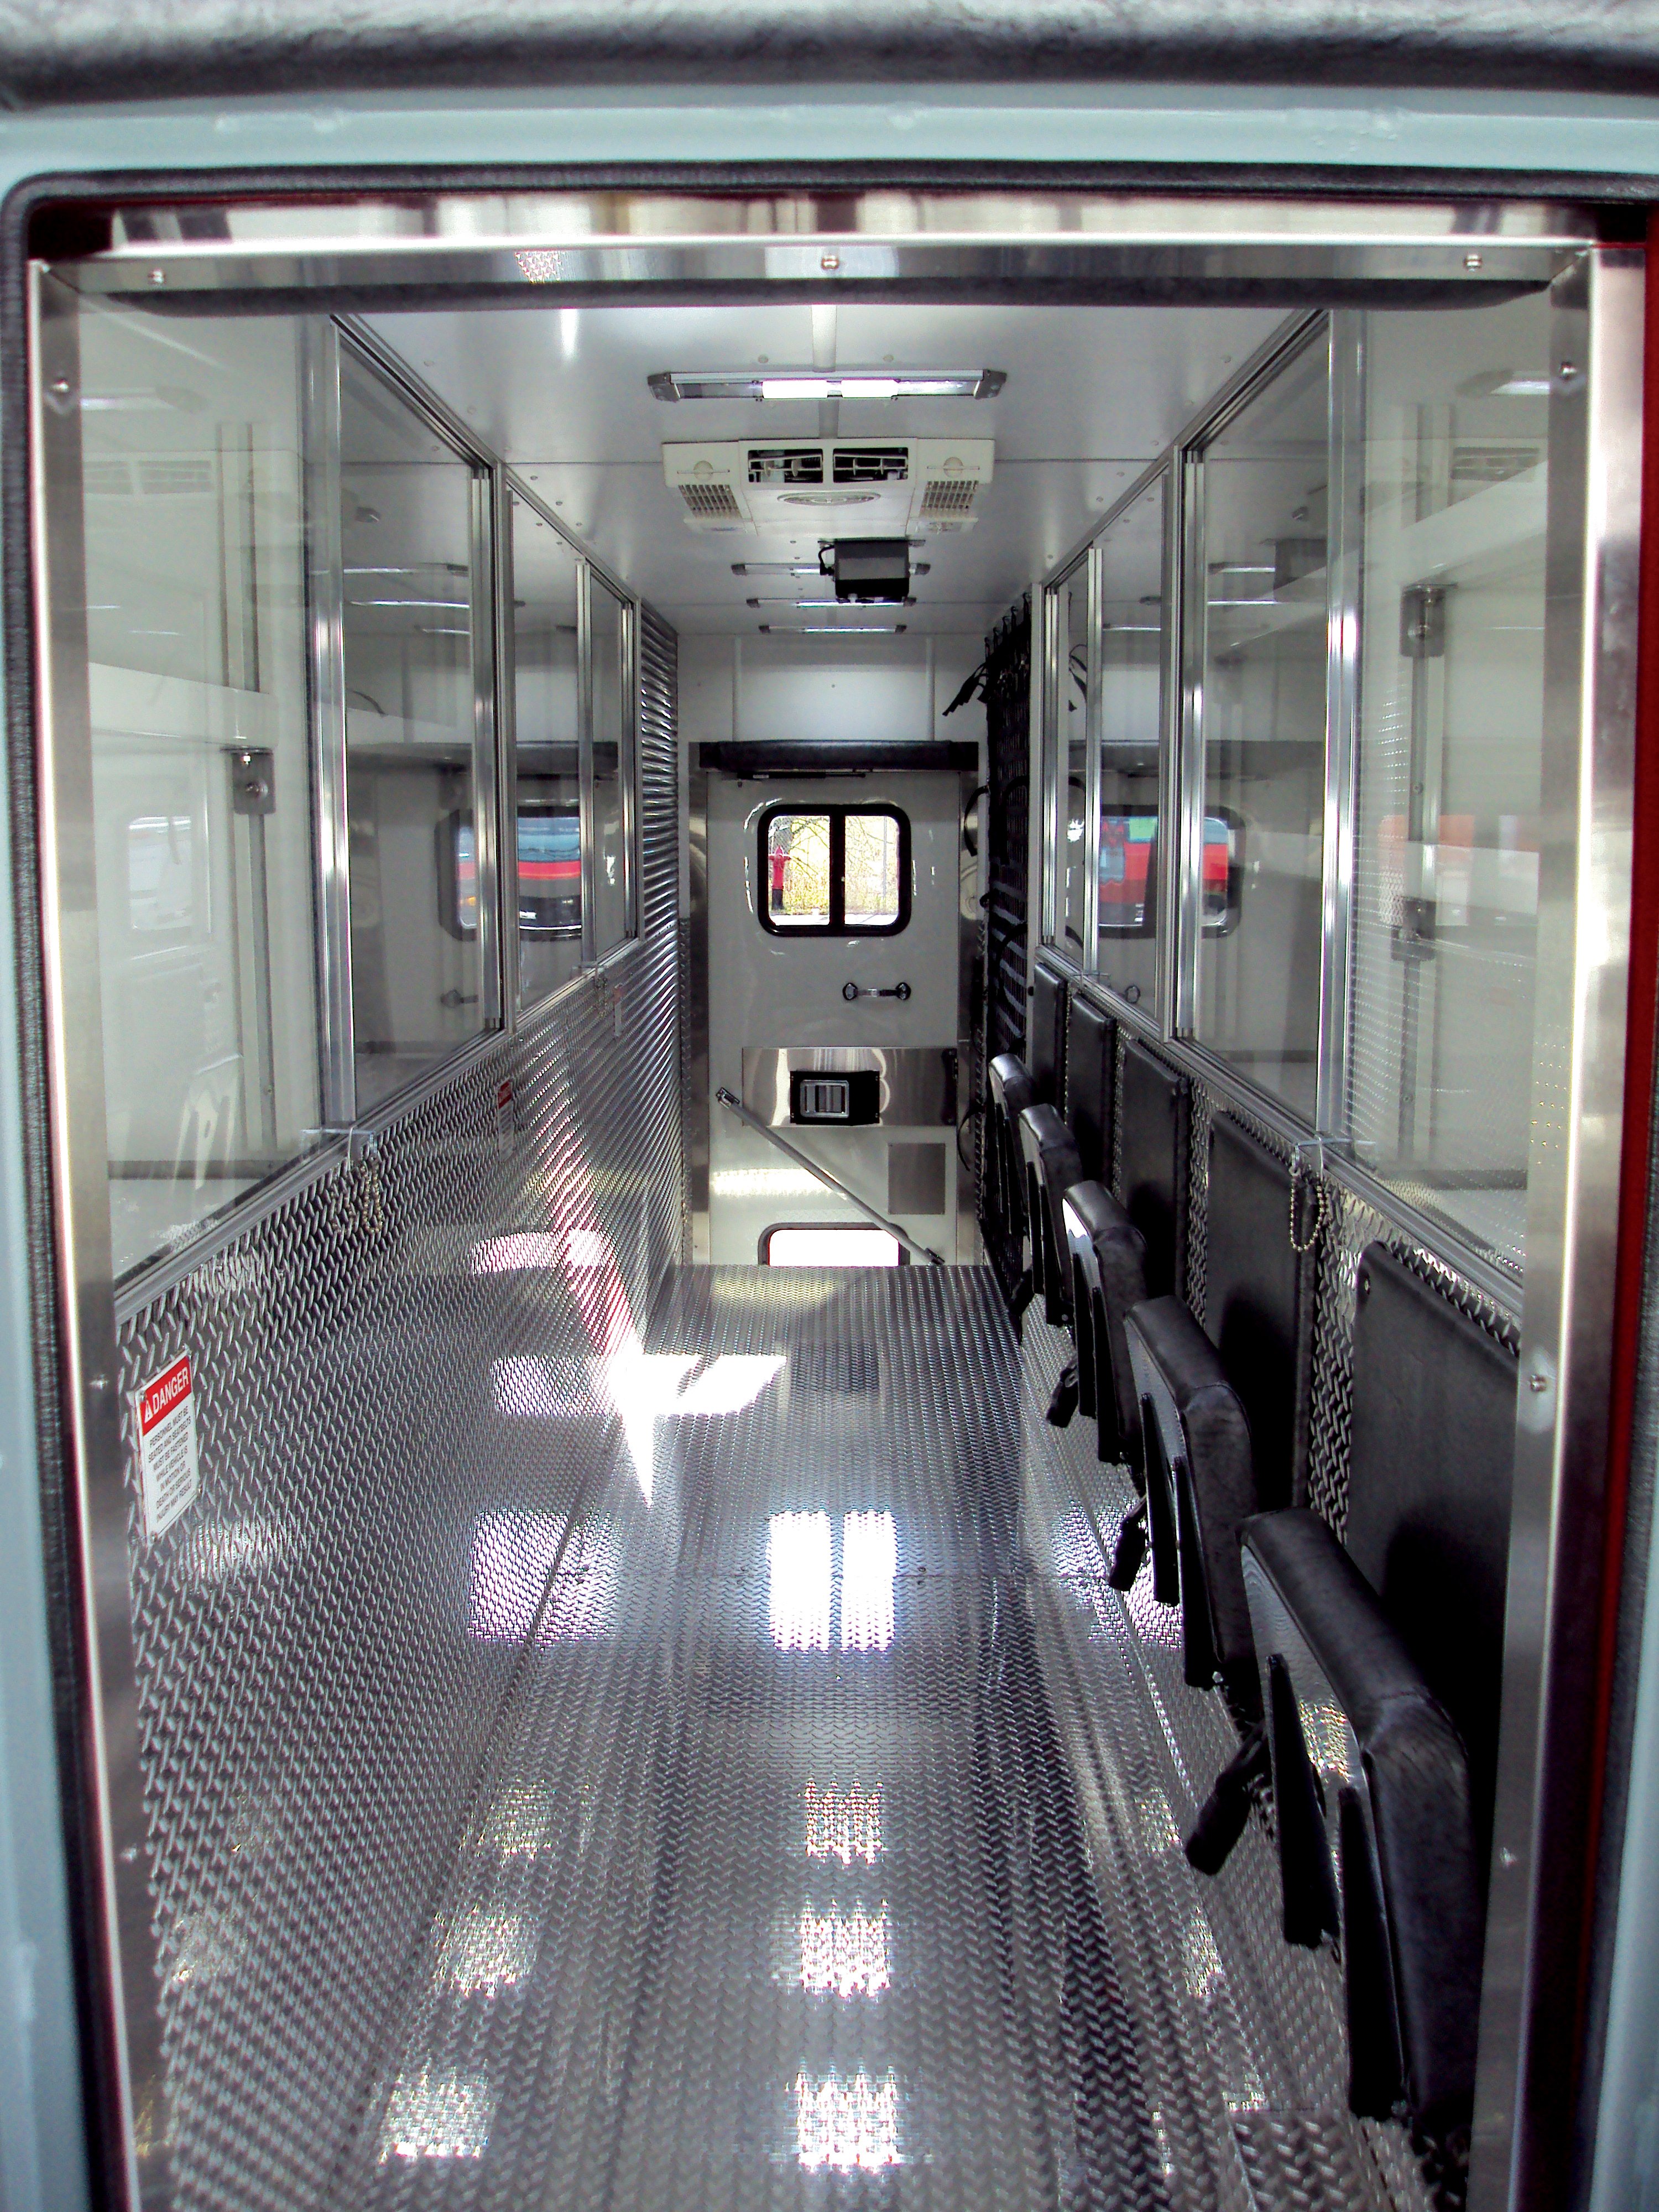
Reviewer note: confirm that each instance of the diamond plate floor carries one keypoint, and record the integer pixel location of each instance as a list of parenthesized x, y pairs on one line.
[(830, 1853)]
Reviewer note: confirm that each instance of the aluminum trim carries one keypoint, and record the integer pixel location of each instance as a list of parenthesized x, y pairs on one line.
[(1169, 718), (509, 964), (695, 1070), (1187, 855), (585, 745), (128, 2025), (1345, 569), (1528, 2030), (486, 672), (1092, 719), (325, 624)]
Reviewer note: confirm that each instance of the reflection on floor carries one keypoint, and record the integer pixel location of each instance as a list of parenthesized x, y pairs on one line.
[(832, 1851)]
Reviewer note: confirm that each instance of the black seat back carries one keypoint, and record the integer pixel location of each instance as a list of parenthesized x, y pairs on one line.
[(1052, 1166), (1091, 1069), (1108, 1280), (1045, 1041), (1153, 1113), (1430, 1464), (1200, 1492), (1012, 1092), (1254, 1286)]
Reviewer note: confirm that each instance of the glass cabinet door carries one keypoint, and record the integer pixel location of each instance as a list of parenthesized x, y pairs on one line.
[(612, 737), (1131, 662), (547, 749), (1445, 914), (1257, 598), (416, 628), (1073, 697)]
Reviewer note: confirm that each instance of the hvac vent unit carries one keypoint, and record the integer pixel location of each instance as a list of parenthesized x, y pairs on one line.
[(786, 464), (909, 488)]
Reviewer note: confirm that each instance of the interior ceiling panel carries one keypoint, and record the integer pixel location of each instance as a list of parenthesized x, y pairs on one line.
[(1092, 394)]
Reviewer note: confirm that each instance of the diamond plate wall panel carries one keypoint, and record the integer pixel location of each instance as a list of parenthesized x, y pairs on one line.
[(407, 1377)]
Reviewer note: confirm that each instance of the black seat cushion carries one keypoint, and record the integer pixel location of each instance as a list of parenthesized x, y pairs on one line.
[(1045, 1042), (1109, 1276), (1390, 1760), (1197, 1447), (1253, 1288), (1090, 1072), (1153, 1111), (1431, 1465), (1012, 1092), (1052, 1166)]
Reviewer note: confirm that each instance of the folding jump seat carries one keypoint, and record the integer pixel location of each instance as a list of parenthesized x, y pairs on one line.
[(1108, 1256), (1052, 1165), (1012, 1092), (1222, 1440), (1380, 1666)]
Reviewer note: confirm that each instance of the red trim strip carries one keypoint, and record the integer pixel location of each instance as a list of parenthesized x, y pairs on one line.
[(1641, 1038)]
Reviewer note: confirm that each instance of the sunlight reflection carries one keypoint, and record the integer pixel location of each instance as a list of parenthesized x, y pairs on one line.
[(735, 1381), (437, 2113), (506, 1255), (847, 2124), (799, 1559), (869, 1560), (844, 1953), (843, 1824), (486, 1950), (520, 1821)]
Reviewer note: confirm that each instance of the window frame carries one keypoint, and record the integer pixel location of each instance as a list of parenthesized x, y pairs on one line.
[(837, 811), (763, 1244)]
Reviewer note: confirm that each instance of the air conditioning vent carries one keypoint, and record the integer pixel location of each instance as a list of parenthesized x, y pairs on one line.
[(954, 495), (176, 473), (107, 477), (712, 502), (787, 464), (856, 464)]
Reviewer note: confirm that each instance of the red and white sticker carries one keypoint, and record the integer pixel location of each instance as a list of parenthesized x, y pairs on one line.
[(166, 1446)]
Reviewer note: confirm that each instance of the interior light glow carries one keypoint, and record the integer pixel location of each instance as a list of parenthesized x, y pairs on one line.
[(674, 384), (437, 2113), (833, 630), (588, 1248), (800, 1573), (842, 1823), (734, 1382), (846, 2125), (641, 1385), (844, 1954), (459, 605), (525, 1249), (762, 1182), (521, 1821), (570, 331), (869, 1560), (486, 1950)]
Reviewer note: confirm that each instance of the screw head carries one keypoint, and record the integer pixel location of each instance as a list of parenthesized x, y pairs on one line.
[(829, 261), (158, 276), (1472, 261)]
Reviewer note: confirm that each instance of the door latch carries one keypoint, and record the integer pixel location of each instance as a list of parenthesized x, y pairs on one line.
[(851, 991)]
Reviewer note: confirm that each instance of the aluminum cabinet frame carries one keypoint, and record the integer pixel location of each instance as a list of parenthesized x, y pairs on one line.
[(32, 147)]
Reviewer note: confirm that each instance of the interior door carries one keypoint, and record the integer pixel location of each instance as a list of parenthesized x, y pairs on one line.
[(825, 895)]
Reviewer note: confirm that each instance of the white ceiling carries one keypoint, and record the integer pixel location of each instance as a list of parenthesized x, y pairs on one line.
[(1093, 394)]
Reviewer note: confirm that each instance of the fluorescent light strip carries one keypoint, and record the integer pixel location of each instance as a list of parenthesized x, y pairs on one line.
[(675, 384), (832, 629)]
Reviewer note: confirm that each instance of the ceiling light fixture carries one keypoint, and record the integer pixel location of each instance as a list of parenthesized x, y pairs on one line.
[(803, 567), (813, 606), (675, 384), (832, 629)]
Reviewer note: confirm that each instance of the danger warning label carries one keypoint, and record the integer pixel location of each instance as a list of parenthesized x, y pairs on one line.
[(166, 1446)]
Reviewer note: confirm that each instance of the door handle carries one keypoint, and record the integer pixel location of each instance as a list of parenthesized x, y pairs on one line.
[(851, 991)]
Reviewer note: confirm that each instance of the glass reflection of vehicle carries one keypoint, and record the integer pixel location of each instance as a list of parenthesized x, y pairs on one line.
[(1128, 879), (550, 871)]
